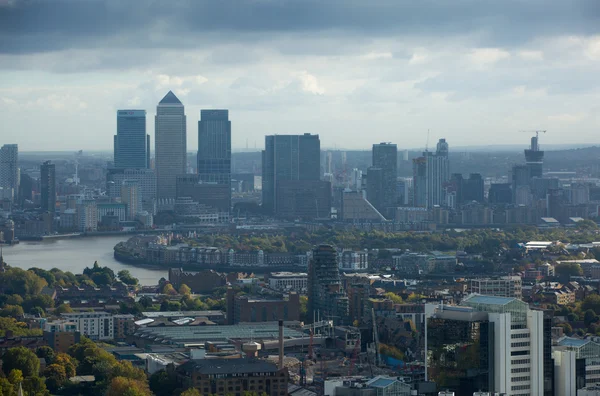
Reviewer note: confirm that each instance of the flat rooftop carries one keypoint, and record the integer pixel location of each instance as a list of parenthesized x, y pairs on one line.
[(201, 334)]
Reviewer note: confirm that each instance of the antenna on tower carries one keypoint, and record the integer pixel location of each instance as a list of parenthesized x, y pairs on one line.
[(427, 142)]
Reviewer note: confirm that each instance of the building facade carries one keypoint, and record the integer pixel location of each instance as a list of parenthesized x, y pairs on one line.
[(48, 187), (9, 167), (131, 140), (326, 297), (131, 196), (288, 281), (214, 148), (170, 144), (506, 286), (288, 157), (94, 325), (252, 309), (385, 157)]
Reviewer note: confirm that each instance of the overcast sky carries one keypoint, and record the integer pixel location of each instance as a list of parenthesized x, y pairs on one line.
[(356, 72)]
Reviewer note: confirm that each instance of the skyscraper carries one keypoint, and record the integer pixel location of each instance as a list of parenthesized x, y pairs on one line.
[(385, 157), (534, 158), (170, 144), (48, 186), (214, 148), (131, 140), (288, 157), (430, 172), (9, 167), (326, 297)]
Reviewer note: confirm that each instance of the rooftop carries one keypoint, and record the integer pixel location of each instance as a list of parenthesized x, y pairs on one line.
[(572, 342), (170, 98), (491, 300), (229, 366), (201, 334), (181, 314)]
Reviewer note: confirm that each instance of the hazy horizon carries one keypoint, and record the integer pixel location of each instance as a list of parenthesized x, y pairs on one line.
[(357, 72)]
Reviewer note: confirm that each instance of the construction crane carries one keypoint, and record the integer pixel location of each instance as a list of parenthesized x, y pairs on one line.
[(536, 131), (354, 357), (376, 339)]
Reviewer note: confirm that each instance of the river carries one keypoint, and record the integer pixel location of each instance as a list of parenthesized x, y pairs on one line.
[(74, 254)]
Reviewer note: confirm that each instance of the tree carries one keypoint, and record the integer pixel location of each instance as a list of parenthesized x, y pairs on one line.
[(126, 370), (35, 386), (121, 386), (304, 308), (185, 290), (145, 301), (591, 302), (63, 308), (396, 299), (15, 376), (66, 361), (568, 269), (125, 277), (21, 358), (169, 290), (47, 353), (161, 384), (590, 317), (191, 392), (12, 311), (56, 377)]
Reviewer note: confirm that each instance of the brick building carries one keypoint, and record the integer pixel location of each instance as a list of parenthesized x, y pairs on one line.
[(232, 376), (247, 308), (124, 326), (198, 282)]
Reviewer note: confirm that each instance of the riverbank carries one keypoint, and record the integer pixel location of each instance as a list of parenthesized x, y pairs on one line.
[(74, 254)]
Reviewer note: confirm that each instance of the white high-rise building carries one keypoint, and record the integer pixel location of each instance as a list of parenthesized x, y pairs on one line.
[(170, 145), (94, 325), (9, 167), (438, 173), (508, 333)]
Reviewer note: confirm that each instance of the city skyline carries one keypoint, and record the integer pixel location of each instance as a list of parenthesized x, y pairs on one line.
[(468, 71)]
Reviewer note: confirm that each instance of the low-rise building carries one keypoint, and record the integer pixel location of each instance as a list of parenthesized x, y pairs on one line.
[(245, 308), (94, 325), (61, 335), (506, 286), (353, 261), (232, 376), (124, 326), (288, 281)]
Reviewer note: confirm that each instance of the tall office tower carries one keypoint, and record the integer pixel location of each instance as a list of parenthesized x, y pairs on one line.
[(468, 190), (48, 186), (288, 157), (430, 173), (375, 188), (170, 145), (438, 173), (503, 346), (385, 157), (214, 149), (148, 164), (500, 193), (130, 195), (420, 182), (131, 140), (326, 297), (520, 177), (9, 167), (25, 189), (534, 158)]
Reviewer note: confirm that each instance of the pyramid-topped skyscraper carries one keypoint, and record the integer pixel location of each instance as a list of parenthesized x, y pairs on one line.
[(170, 145)]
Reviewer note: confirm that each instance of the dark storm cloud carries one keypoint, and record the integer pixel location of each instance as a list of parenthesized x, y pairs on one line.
[(29, 26)]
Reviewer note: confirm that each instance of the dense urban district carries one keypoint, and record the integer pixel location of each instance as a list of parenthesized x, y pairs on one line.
[(301, 271)]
